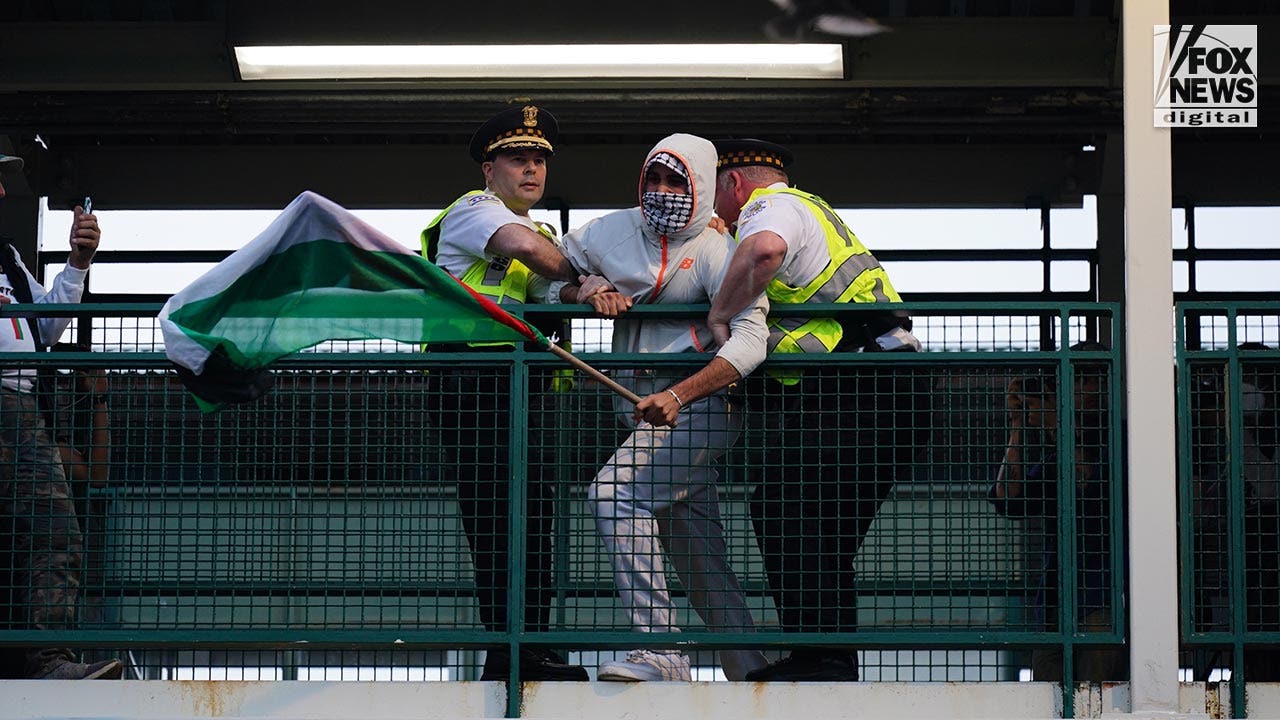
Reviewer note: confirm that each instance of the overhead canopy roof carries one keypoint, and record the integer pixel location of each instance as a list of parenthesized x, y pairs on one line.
[(977, 102)]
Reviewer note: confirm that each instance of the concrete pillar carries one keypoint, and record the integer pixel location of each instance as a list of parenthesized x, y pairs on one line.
[(1151, 471)]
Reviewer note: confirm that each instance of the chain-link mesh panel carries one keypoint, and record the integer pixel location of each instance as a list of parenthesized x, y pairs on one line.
[(1230, 482), (370, 502)]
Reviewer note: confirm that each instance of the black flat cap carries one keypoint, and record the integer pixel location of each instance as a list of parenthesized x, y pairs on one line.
[(523, 127), (749, 151)]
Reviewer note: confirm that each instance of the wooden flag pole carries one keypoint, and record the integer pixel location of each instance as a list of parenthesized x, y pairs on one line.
[(604, 379)]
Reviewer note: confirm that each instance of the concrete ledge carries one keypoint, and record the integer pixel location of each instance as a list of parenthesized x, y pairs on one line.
[(682, 701), (156, 699), (1262, 700)]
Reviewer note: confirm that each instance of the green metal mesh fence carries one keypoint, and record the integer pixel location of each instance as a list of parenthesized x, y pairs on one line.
[(1229, 477), (364, 507)]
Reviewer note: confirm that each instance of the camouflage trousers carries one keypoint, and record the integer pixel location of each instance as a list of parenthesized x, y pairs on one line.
[(37, 511)]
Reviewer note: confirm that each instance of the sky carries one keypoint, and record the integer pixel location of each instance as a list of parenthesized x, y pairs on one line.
[(879, 229)]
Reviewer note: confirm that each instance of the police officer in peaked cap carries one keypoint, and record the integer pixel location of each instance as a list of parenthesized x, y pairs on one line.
[(486, 239)]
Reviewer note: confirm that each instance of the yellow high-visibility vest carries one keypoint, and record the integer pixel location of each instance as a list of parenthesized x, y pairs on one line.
[(505, 280), (852, 275)]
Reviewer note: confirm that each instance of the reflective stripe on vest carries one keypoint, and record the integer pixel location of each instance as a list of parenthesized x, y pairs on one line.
[(505, 280), (851, 275), (502, 279)]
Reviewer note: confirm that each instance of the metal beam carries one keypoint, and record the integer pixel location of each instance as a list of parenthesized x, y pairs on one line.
[(419, 175), (1226, 168), (239, 116), (1053, 52)]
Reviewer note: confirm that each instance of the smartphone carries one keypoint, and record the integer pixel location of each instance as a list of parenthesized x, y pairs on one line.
[(87, 204)]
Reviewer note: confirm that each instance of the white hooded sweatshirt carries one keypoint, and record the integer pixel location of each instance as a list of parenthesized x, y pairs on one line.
[(683, 267)]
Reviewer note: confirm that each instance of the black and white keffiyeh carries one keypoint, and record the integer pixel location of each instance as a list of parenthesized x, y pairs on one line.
[(667, 212), (672, 162)]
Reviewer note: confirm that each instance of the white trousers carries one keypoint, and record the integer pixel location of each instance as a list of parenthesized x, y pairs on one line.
[(658, 492)]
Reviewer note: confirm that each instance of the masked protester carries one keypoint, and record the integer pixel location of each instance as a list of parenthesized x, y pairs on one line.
[(658, 490)]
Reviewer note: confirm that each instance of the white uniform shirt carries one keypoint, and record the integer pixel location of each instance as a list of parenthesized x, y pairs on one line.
[(466, 230), (793, 220)]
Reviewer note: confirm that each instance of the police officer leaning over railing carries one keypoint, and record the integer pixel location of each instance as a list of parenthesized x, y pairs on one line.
[(846, 433)]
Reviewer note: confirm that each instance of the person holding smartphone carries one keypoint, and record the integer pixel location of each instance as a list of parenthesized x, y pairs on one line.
[(36, 499)]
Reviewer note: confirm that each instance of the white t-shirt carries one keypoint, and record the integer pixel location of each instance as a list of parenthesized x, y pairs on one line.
[(793, 221)]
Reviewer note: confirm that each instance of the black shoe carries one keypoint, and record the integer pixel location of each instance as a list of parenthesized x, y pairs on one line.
[(535, 664), (823, 667), (67, 670)]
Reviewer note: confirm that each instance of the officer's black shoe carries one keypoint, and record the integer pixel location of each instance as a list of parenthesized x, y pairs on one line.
[(809, 667), (535, 664)]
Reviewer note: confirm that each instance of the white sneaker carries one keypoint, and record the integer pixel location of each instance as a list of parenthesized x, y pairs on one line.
[(648, 665)]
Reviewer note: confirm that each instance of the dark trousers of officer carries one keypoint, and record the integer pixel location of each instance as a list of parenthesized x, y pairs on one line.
[(46, 544), (475, 423), (847, 435)]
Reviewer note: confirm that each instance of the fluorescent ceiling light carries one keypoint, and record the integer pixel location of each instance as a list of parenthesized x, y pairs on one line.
[(741, 61)]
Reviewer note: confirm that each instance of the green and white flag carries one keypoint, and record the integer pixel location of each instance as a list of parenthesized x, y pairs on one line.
[(316, 273)]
